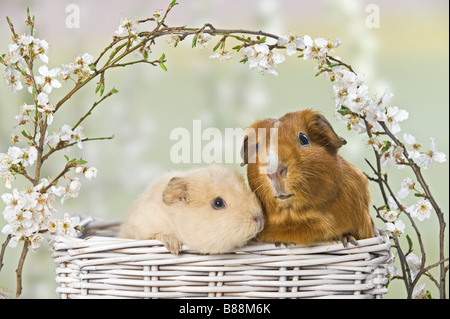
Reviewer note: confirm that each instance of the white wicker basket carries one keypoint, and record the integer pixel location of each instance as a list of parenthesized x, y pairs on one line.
[(109, 267)]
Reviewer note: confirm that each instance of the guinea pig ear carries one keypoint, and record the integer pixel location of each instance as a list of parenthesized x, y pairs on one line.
[(177, 191), (249, 147), (244, 151), (324, 129)]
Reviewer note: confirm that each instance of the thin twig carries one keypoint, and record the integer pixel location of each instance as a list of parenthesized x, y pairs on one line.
[(2, 252), (20, 268)]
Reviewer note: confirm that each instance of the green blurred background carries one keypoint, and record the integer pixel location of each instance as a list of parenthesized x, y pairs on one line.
[(408, 53)]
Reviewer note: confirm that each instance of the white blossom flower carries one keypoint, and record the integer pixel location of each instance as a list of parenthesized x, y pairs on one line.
[(396, 228), (23, 116), (90, 173), (13, 80), (29, 156), (357, 98), (13, 56), (58, 190), (426, 159), (384, 99), (222, 56), (48, 78), (421, 210), (71, 190), (35, 241), (80, 67), (394, 116), (261, 58), (203, 39), (347, 78), (392, 272), (393, 156), (52, 225), (7, 177), (12, 157), (375, 143), (24, 40), (414, 263), (374, 115), (174, 39), (390, 216), (40, 49), (292, 43), (13, 203), (44, 106), (126, 27), (158, 14), (318, 48), (414, 154), (67, 225), (420, 292), (66, 134), (16, 237), (407, 186)]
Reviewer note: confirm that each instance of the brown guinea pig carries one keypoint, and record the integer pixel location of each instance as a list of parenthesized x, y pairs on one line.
[(309, 193), (209, 209)]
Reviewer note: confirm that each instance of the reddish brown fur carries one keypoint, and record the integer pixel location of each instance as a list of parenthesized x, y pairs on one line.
[(330, 196)]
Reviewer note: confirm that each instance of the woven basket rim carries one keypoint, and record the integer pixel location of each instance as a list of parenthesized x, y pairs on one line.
[(101, 266)]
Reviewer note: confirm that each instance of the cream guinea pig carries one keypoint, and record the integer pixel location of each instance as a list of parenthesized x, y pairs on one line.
[(209, 209), (311, 194)]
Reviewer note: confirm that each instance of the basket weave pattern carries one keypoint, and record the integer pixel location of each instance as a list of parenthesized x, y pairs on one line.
[(109, 267)]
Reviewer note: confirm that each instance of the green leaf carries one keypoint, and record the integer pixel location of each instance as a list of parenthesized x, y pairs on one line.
[(386, 146), (262, 40), (92, 67), (173, 3), (194, 41), (114, 91), (244, 60), (81, 161), (237, 48), (217, 46), (418, 195), (410, 243), (344, 110), (67, 157), (163, 66)]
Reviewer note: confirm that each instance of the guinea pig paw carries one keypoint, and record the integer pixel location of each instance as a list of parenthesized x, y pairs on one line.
[(348, 238), (171, 243), (285, 245)]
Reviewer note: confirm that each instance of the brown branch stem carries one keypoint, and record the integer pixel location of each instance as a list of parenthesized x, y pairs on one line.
[(20, 268)]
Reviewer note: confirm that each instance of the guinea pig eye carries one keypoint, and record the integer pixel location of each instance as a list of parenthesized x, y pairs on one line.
[(218, 203), (303, 140)]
